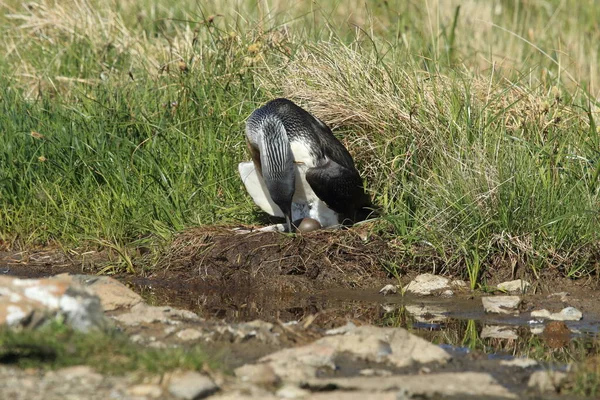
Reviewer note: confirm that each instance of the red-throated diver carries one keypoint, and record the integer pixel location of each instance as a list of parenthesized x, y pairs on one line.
[(300, 169)]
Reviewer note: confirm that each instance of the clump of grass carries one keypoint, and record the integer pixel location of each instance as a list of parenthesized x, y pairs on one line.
[(474, 129), (476, 168), (56, 346)]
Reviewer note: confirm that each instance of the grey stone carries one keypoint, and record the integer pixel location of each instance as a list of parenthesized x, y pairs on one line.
[(191, 385), (501, 304), (516, 286)]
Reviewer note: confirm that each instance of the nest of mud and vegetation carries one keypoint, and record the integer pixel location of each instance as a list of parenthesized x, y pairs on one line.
[(364, 256), (322, 259)]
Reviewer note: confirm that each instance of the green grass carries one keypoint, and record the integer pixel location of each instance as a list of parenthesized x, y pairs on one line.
[(473, 123), (56, 346)]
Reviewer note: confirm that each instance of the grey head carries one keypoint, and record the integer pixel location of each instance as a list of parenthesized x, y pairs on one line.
[(267, 136)]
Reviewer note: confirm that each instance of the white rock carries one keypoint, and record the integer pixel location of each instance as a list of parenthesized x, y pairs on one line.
[(191, 385), (387, 289), (516, 286), (501, 304), (519, 363), (350, 326), (566, 314), (569, 314), (292, 392), (31, 301), (374, 372), (425, 284), (543, 313), (395, 346)]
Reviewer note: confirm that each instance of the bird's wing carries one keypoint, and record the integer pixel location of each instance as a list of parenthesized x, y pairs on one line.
[(339, 187)]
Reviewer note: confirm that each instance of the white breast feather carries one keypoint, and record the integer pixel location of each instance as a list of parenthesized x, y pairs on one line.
[(305, 202)]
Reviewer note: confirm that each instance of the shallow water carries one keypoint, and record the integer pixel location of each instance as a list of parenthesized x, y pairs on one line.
[(459, 323)]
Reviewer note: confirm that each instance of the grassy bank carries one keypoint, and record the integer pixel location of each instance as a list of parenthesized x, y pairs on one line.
[(474, 125)]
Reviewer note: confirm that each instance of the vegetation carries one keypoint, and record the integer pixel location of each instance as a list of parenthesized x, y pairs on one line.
[(55, 345), (474, 123)]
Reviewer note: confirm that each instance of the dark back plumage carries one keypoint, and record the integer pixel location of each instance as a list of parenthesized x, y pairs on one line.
[(334, 177)]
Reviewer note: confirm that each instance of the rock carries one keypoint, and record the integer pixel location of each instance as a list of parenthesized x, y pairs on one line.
[(566, 314), (459, 284), (191, 385), (145, 390), (260, 374), (112, 293), (516, 286), (389, 289), (189, 334), (425, 284), (292, 392), (350, 326), (259, 330), (546, 381), (499, 332), (374, 372), (29, 302), (394, 346), (357, 395), (501, 304), (519, 363), (142, 313), (475, 384)]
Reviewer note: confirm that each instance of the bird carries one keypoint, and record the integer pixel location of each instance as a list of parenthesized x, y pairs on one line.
[(299, 169)]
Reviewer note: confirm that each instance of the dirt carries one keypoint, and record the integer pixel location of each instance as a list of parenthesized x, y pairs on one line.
[(333, 275), (323, 280)]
